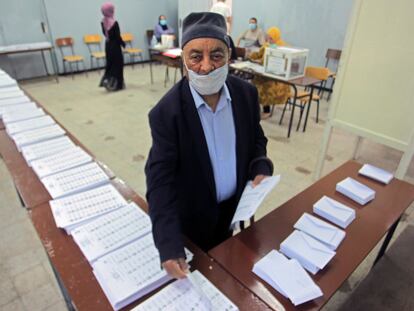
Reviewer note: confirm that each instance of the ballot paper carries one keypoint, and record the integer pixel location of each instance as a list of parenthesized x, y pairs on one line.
[(311, 254), (252, 198), (17, 108), (181, 296), (111, 231), (376, 173), (31, 124), (60, 161), (130, 272), (74, 210), (355, 190), (320, 230), (75, 180), (14, 88), (287, 277), (7, 82), (14, 101), (37, 135), (16, 116), (174, 53), (46, 148), (11, 94), (334, 211)]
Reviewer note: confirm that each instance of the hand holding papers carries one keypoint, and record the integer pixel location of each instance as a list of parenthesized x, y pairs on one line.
[(355, 190), (334, 211), (252, 198), (287, 277), (376, 173)]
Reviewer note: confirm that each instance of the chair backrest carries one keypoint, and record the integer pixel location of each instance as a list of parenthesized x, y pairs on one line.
[(150, 33), (127, 37), (332, 54), (66, 42), (92, 39), (240, 52), (321, 73)]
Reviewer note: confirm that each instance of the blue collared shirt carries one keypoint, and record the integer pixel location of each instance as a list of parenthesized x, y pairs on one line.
[(220, 135)]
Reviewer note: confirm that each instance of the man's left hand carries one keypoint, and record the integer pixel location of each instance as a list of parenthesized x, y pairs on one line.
[(258, 179)]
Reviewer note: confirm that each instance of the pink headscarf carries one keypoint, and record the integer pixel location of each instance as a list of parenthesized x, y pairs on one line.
[(108, 21)]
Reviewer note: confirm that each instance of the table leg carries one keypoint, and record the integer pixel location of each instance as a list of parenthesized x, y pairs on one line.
[(387, 240), (20, 197), (293, 110), (54, 64), (44, 62), (307, 110), (150, 66), (65, 293)]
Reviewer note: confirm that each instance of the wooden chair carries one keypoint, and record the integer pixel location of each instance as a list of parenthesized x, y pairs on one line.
[(93, 42), (65, 44), (331, 55), (129, 49)]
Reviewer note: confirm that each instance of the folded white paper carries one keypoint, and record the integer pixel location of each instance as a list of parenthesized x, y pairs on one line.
[(252, 198), (27, 125), (311, 254), (355, 190), (376, 173), (320, 230), (287, 277), (16, 116), (334, 211), (46, 148)]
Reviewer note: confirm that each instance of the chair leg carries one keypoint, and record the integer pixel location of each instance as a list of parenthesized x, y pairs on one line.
[(330, 93), (166, 76), (283, 112), (317, 111), (271, 111), (142, 60), (132, 60), (84, 68), (302, 107), (175, 75), (71, 70)]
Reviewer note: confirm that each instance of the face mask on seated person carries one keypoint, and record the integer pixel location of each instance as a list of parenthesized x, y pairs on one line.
[(163, 22), (252, 26)]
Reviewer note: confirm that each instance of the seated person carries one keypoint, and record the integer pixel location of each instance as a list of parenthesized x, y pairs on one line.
[(162, 28), (253, 37)]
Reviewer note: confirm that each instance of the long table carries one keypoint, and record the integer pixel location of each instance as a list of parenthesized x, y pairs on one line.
[(238, 254)]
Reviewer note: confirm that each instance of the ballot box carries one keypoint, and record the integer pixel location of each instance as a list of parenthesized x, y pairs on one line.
[(286, 63)]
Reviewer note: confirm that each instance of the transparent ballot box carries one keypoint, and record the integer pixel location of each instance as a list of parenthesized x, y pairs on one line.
[(285, 62)]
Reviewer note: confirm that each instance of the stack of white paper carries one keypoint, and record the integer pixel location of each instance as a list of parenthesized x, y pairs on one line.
[(252, 198), (14, 88), (60, 161), (376, 173), (6, 82), (31, 124), (334, 211), (74, 180), (20, 108), (20, 115), (37, 135), (130, 272), (11, 94), (320, 230), (311, 254), (46, 148), (111, 231), (14, 101), (287, 277), (72, 211), (355, 190), (181, 295)]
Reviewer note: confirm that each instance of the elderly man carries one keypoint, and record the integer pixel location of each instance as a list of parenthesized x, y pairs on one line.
[(207, 143)]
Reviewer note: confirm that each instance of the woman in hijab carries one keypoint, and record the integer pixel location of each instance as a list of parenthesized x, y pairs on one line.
[(113, 78), (270, 91), (162, 28)]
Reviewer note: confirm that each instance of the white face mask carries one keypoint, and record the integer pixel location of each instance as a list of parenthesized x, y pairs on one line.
[(210, 83)]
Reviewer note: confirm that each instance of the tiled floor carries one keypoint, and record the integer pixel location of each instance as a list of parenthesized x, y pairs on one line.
[(114, 127)]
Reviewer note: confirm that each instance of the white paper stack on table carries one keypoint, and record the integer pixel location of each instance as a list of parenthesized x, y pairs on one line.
[(46, 148), (37, 135), (60, 161), (14, 88), (355, 190), (376, 173), (334, 211), (320, 230), (14, 101), (27, 125), (22, 115), (11, 94), (112, 231), (6, 81), (75, 180), (77, 209), (181, 295), (130, 272), (19, 108), (287, 277), (311, 254), (252, 198)]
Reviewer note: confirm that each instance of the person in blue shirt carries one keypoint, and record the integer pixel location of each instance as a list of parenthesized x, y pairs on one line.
[(162, 28)]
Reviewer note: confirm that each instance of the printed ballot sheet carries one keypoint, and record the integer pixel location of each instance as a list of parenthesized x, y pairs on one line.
[(61, 161), (111, 231), (46, 148), (14, 101), (182, 296), (16, 116), (76, 209), (19, 108), (130, 272), (376, 173), (252, 198), (74, 180), (37, 135), (30, 124)]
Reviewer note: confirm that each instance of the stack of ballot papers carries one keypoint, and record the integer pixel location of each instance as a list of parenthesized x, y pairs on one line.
[(77, 209), (5, 94), (252, 198), (14, 88), (46, 148), (16, 116), (376, 173), (320, 230), (182, 295), (111, 231), (75, 180), (311, 254), (31, 124), (334, 211), (37, 135), (60, 161), (14, 101), (19, 108), (287, 277), (6, 82), (355, 190), (130, 272)]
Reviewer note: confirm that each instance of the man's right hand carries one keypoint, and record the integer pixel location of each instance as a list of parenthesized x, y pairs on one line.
[(176, 268)]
